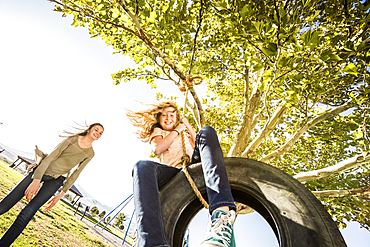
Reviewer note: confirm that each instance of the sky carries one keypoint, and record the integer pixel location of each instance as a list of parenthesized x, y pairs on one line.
[(53, 75)]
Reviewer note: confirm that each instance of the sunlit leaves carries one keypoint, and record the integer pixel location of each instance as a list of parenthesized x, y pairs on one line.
[(309, 55), (270, 50), (310, 38), (351, 69)]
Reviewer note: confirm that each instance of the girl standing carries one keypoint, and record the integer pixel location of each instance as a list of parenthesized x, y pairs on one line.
[(74, 150), (161, 126)]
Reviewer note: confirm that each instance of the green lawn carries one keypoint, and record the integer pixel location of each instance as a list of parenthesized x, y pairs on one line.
[(58, 227), (95, 221)]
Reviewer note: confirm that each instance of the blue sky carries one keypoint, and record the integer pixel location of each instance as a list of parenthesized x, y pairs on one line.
[(53, 74)]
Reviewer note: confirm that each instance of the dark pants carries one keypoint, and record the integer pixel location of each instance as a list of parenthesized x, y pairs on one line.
[(150, 176), (49, 187)]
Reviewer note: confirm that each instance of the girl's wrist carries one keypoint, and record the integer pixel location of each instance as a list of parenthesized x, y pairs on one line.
[(178, 133)]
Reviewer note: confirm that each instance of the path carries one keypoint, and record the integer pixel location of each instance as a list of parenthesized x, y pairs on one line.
[(111, 238)]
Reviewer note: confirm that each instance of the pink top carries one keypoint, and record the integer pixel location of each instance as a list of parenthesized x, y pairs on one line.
[(172, 156)]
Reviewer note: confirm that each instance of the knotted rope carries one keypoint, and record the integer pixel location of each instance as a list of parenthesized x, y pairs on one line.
[(185, 159)]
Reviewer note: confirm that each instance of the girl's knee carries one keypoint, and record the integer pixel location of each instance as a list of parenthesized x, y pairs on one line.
[(140, 166), (27, 213), (3, 208), (208, 130)]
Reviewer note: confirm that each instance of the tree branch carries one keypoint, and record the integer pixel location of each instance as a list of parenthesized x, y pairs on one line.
[(258, 117), (81, 10), (250, 107), (165, 58), (362, 192), (335, 169), (279, 113), (196, 116), (137, 7), (196, 36), (198, 113), (287, 147), (199, 106), (279, 23), (162, 67), (361, 32)]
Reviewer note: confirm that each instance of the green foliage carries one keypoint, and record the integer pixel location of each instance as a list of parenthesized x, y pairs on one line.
[(120, 219), (94, 211), (102, 214), (256, 56)]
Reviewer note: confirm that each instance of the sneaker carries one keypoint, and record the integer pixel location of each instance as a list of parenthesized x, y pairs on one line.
[(220, 230)]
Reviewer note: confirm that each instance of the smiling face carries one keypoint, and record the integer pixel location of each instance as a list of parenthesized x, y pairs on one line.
[(168, 118), (96, 132)]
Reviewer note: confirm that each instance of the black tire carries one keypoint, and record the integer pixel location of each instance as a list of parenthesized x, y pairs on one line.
[(295, 215)]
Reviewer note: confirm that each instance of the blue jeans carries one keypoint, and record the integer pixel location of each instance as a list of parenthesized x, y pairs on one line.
[(49, 187), (150, 176)]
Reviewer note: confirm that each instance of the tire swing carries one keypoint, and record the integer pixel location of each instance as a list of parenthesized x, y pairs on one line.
[(295, 215)]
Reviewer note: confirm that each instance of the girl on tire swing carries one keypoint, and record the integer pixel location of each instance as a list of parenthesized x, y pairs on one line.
[(161, 126), (75, 150)]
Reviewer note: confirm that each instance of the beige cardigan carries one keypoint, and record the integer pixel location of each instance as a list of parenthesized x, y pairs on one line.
[(65, 156)]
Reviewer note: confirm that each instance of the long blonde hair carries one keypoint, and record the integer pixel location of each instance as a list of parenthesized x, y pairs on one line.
[(147, 120)]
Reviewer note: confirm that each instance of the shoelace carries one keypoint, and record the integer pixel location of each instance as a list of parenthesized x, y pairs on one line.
[(221, 226)]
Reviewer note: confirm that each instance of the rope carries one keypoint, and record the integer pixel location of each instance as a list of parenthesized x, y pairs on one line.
[(190, 82), (185, 159)]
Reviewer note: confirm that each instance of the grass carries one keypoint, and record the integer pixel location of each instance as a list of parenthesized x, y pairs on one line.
[(95, 221), (58, 227)]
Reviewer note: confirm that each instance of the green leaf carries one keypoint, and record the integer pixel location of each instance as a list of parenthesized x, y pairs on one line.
[(268, 76), (283, 61), (298, 77), (315, 37), (258, 26), (257, 67), (245, 10), (152, 17), (221, 6), (351, 69), (314, 58), (358, 134), (115, 13), (325, 55), (270, 50), (335, 57), (313, 16), (306, 37), (263, 86)]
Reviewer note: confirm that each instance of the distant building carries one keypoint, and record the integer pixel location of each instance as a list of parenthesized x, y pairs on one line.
[(22, 161)]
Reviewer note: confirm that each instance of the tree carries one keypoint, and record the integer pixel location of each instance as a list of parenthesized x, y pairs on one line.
[(120, 219), (102, 214), (94, 211), (287, 81)]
